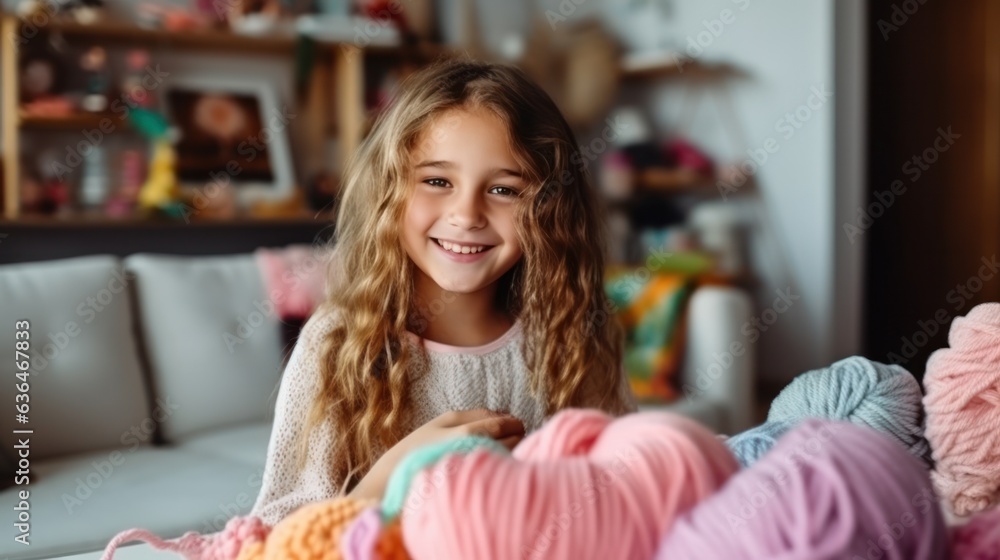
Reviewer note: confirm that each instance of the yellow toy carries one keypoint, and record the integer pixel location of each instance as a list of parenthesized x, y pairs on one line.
[(160, 188)]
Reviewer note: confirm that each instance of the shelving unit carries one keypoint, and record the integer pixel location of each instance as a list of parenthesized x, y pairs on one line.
[(640, 73), (667, 180), (68, 122), (121, 33), (670, 66), (344, 62), (85, 221)]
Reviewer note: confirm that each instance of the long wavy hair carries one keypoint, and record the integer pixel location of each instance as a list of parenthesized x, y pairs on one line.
[(572, 344)]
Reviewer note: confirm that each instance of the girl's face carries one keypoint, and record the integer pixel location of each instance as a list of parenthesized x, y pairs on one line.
[(459, 223)]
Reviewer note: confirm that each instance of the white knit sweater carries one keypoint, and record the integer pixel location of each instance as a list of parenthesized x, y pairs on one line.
[(492, 376)]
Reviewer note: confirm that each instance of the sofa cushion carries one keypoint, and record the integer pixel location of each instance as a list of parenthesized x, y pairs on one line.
[(80, 502), (212, 338), (86, 388), (245, 444)]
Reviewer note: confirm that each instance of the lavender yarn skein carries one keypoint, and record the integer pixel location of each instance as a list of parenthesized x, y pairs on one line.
[(828, 490)]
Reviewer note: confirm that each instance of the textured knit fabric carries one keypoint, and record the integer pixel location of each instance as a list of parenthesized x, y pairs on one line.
[(492, 376)]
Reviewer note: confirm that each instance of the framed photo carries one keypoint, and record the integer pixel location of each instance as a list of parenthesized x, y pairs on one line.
[(231, 130)]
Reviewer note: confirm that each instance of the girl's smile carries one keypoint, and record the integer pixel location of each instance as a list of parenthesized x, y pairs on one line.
[(463, 253), (459, 226)]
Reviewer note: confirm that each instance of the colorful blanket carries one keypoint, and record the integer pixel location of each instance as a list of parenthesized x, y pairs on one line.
[(650, 306)]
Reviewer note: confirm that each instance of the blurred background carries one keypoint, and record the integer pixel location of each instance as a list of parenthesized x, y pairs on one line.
[(835, 162), (746, 119)]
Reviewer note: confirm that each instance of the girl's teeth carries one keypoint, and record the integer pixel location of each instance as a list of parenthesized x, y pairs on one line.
[(448, 246)]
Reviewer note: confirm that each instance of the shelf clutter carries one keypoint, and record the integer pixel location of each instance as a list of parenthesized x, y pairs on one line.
[(89, 143), (77, 73)]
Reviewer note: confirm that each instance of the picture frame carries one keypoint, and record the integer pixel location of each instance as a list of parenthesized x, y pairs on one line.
[(232, 132)]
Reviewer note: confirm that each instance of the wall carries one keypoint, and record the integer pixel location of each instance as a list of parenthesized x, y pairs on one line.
[(787, 50)]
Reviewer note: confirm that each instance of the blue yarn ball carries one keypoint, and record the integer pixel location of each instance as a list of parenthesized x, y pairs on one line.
[(751, 445), (884, 397)]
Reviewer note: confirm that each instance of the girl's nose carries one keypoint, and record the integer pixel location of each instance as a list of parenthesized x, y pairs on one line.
[(466, 212)]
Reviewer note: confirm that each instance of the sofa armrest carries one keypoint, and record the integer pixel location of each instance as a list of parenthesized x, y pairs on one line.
[(719, 363)]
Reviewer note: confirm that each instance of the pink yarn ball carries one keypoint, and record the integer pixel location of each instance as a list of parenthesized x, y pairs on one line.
[(962, 404), (239, 531), (224, 545), (585, 485), (979, 539)]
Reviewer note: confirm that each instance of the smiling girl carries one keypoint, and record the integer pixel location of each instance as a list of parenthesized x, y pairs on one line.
[(465, 295)]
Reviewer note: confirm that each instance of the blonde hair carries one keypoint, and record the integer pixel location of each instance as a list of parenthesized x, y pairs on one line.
[(573, 347)]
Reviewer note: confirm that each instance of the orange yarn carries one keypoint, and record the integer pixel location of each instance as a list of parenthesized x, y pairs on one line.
[(252, 551), (390, 544), (311, 532)]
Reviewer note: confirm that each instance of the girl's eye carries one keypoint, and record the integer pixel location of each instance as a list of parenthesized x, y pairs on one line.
[(436, 182), (504, 191)]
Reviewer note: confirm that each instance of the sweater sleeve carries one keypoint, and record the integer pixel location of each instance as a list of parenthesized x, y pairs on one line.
[(285, 486)]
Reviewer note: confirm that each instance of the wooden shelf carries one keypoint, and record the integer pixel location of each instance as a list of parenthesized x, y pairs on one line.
[(674, 66), (421, 52), (212, 39), (673, 180), (73, 121), (98, 221), (223, 39)]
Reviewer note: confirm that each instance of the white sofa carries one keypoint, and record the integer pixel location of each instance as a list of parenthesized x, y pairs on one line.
[(153, 384)]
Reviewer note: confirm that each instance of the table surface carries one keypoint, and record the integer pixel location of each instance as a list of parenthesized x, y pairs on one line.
[(127, 552)]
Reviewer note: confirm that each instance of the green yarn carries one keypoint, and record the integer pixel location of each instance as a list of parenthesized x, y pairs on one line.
[(424, 457), (884, 397)]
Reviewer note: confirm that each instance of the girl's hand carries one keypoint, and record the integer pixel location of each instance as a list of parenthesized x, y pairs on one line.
[(504, 428)]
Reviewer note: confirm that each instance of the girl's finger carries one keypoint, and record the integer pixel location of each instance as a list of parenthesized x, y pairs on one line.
[(510, 442), (497, 427)]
